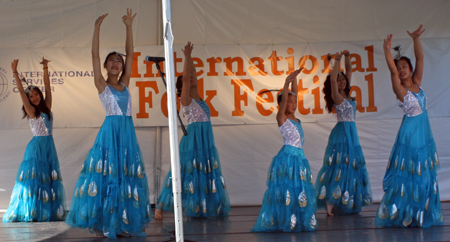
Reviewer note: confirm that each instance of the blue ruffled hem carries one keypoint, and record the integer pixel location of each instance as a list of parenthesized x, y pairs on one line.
[(203, 185), (411, 197), (289, 203), (343, 181), (38, 194), (111, 194)]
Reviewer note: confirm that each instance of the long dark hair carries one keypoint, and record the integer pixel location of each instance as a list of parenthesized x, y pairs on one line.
[(121, 57), (279, 94), (179, 85), (41, 107), (406, 59), (327, 91), (399, 57)]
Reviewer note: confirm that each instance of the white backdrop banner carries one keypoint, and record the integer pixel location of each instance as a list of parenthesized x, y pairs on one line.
[(231, 79)]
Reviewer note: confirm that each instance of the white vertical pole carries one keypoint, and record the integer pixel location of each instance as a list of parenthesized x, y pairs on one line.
[(173, 125)]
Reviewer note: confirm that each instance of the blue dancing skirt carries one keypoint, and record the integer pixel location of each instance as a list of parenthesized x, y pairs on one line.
[(343, 180), (411, 191), (38, 194), (111, 195), (289, 203), (203, 185)]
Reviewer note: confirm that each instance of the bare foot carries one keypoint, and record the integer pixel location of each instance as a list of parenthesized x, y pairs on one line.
[(124, 234), (98, 233), (158, 214), (329, 209)]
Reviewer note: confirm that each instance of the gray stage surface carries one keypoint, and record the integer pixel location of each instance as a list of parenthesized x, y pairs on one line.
[(236, 228)]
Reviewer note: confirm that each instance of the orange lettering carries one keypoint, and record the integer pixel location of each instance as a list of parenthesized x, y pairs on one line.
[(145, 99), (238, 97), (212, 65), (261, 71), (314, 64), (274, 59), (229, 64), (357, 64), (371, 107), (209, 95), (370, 58), (301, 92), (134, 68), (358, 98), (260, 101), (317, 109)]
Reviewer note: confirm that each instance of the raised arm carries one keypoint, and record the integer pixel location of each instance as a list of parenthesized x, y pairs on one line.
[(281, 115), (48, 91), (418, 52), (335, 95), (348, 66), (397, 87), (29, 109), (294, 84), (129, 47), (188, 68), (99, 80)]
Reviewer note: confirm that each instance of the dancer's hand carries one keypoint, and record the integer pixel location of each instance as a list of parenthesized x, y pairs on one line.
[(128, 19), (188, 49), (99, 20), (338, 55), (346, 53), (14, 65), (387, 43), (293, 75), (44, 62), (417, 33)]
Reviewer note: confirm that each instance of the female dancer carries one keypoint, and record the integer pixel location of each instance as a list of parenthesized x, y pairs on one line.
[(38, 194), (411, 195), (289, 203), (204, 189), (111, 195), (342, 185)]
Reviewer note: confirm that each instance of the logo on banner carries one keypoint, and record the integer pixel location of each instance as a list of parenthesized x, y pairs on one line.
[(4, 92)]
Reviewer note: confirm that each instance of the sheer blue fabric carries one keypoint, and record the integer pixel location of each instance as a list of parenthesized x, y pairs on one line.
[(204, 188), (38, 193), (111, 194), (343, 180), (289, 203), (411, 191)]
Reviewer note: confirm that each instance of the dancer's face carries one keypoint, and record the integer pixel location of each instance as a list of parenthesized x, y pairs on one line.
[(403, 69), (342, 82), (34, 97), (291, 106), (114, 64)]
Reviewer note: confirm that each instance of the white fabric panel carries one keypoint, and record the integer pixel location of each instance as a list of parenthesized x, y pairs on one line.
[(293, 21), (69, 23), (76, 102)]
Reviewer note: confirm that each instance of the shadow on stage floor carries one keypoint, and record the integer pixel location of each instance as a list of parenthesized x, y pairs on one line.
[(236, 228)]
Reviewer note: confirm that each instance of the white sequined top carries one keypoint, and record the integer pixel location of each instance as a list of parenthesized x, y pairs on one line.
[(411, 104), (195, 113), (41, 126), (346, 111), (109, 102), (292, 133)]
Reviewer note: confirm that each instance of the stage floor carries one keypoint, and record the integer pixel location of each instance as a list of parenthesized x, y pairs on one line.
[(236, 228)]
